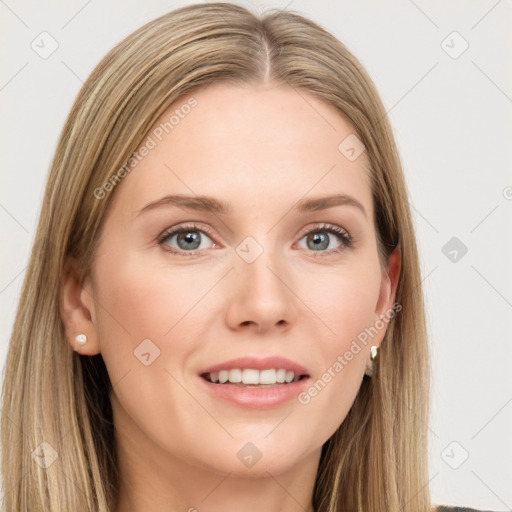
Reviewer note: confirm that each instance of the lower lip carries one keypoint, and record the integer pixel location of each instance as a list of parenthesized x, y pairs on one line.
[(256, 397)]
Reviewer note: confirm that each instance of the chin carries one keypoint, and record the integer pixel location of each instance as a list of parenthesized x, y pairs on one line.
[(244, 458)]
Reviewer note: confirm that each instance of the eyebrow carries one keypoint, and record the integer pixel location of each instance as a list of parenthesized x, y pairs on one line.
[(213, 205)]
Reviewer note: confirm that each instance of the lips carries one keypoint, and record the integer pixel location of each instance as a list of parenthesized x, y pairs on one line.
[(257, 382)]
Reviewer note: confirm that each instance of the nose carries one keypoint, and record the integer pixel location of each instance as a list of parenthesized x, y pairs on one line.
[(261, 297)]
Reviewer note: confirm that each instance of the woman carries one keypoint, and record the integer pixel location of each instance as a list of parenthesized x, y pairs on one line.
[(280, 361)]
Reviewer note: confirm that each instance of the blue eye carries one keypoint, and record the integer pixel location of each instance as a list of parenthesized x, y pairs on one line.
[(190, 239), (320, 239)]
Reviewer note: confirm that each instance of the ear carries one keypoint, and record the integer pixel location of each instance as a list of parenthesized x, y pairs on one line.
[(389, 283), (77, 309)]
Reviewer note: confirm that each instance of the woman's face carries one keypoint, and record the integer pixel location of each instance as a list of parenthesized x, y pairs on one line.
[(261, 278)]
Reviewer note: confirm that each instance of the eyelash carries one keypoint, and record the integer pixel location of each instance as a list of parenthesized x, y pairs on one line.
[(343, 235)]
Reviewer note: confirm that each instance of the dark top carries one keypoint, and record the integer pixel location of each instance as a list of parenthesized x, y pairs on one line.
[(447, 508)]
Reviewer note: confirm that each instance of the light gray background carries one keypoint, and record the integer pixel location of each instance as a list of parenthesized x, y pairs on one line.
[(452, 121)]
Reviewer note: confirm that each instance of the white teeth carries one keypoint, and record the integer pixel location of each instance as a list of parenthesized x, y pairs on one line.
[(254, 377), (268, 377), (235, 376), (250, 376)]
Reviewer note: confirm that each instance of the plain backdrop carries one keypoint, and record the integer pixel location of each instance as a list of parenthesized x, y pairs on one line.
[(443, 70)]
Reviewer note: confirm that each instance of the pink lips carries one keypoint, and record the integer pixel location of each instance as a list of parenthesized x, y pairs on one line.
[(255, 397), (258, 364)]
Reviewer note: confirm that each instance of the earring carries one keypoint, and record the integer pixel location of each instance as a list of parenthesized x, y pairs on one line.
[(81, 339), (370, 369)]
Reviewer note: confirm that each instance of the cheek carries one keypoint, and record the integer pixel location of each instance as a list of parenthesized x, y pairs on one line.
[(345, 301), (139, 302), (147, 299), (143, 299), (144, 318)]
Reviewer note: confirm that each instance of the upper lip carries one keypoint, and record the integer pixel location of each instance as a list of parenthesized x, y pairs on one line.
[(256, 363)]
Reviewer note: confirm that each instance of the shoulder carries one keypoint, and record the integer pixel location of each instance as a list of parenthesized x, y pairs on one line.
[(446, 508)]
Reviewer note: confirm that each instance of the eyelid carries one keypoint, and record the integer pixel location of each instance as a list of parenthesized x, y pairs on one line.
[(325, 226)]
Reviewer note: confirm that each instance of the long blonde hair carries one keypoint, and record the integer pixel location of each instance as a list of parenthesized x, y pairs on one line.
[(377, 459)]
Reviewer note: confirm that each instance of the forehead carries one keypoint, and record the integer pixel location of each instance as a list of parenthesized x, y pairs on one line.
[(254, 146)]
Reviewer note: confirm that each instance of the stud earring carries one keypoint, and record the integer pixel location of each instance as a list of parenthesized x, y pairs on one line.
[(81, 339), (370, 369)]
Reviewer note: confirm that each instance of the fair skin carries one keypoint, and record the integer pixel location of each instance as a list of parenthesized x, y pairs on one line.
[(260, 148)]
